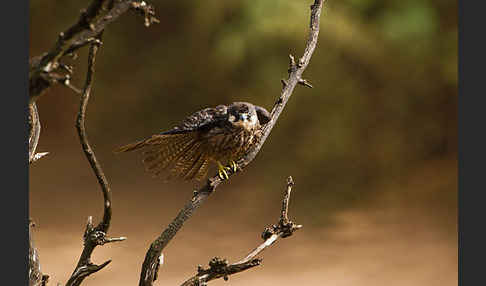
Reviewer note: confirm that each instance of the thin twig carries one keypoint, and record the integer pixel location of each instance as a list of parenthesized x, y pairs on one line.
[(83, 137), (295, 75), (221, 268), (284, 217), (93, 236), (150, 264)]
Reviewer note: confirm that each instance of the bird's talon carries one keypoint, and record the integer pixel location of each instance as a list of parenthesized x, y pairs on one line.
[(234, 166), (222, 172)]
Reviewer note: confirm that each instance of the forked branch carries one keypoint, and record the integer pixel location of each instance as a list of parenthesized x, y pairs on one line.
[(151, 263), (221, 268), (94, 235)]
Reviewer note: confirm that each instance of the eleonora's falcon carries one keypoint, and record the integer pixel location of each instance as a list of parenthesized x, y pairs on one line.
[(220, 134)]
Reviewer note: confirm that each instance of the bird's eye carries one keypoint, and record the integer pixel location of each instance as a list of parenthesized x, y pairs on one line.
[(243, 116)]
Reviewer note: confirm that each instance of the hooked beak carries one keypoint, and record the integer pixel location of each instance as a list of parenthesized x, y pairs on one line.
[(243, 117)]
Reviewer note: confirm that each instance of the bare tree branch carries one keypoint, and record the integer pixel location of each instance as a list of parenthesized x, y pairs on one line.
[(47, 69), (150, 265), (44, 70), (83, 137), (295, 76), (93, 236), (221, 268)]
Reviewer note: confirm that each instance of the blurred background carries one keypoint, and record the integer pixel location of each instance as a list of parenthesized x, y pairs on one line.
[(372, 147)]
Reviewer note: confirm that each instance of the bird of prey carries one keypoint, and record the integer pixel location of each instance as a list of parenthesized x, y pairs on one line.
[(220, 134)]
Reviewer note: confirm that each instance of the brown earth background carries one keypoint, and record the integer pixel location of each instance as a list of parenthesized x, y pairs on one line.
[(372, 147)]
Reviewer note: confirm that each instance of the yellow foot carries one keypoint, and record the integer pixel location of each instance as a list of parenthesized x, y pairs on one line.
[(233, 166), (222, 172)]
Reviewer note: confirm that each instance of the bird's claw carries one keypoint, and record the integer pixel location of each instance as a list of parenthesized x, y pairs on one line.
[(233, 166), (222, 172)]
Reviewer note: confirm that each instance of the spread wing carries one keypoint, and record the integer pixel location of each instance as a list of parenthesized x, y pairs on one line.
[(180, 149), (179, 153)]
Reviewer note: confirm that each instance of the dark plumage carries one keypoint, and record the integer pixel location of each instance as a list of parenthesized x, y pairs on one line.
[(219, 134)]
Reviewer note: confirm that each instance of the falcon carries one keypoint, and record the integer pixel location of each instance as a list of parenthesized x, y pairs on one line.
[(224, 133)]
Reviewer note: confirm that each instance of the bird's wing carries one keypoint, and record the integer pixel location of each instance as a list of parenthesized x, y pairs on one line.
[(202, 120), (155, 140), (181, 153), (199, 121)]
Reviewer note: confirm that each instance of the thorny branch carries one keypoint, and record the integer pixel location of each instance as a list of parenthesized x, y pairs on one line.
[(221, 268), (151, 263), (93, 236)]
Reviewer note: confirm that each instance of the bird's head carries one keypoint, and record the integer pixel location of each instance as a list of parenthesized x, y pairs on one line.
[(248, 116), (243, 115)]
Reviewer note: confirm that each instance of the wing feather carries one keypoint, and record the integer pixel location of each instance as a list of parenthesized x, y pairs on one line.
[(199, 168), (201, 120), (180, 149), (167, 155)]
